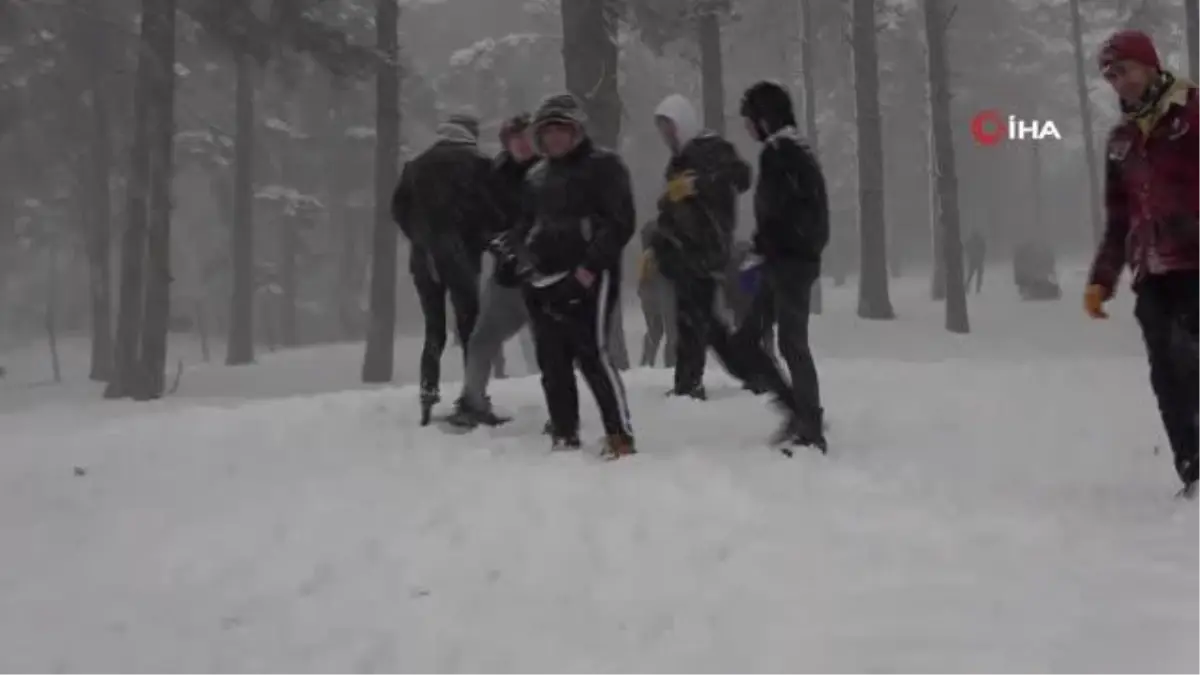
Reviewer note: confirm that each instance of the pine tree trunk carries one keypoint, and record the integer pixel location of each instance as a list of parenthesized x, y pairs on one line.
[(158, 243), (590, 63), (202, 329), (289, 249), (711, 71), (240, 347), (1085, 115), (946, 173), (51, 315), (378, 362), (874, 301), (126, 366), (99, 218), (808, 35), (937, 282), (1191, 9)]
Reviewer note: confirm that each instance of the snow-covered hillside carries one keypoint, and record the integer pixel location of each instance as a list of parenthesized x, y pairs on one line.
[(991, 502)]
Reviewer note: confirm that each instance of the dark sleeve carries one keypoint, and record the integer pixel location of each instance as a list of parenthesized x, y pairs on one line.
[(402, 202), (613, 220), (1110, 256), (723, 168)]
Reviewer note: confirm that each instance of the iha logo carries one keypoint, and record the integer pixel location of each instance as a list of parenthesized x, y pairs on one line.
[(989, 128)]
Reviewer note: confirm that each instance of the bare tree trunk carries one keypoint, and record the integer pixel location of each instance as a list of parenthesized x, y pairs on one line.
[(51, 316), (1085, 115), (202, 329), (378, 362), (125, 380), (946, 172), (808, 35), (289, 249), (99, 208), (1191, 8), (590, 63), (240, 347), (158, 243), (874, 301), (711, 70)]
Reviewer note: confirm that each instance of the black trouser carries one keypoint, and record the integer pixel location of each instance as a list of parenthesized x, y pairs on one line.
[(1166, 309), (570, 334), (975, 272), (789, 288), (700, 327), (432, 289)]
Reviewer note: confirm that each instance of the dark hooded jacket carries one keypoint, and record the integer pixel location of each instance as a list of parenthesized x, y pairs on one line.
[(578, 209), (694, 235), (445, 202), (508, 181), (791, 206)]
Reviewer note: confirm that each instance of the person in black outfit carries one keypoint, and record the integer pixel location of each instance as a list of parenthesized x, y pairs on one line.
[(579, 217), (791, 210), (444, 204)]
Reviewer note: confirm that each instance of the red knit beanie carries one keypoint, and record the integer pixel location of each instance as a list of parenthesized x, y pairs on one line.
[(1129, 45)]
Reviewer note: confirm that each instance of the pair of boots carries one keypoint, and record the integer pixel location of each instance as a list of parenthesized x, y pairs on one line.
[(615, 446)]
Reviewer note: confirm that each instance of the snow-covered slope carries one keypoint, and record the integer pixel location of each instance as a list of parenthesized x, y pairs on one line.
[(985, 507)]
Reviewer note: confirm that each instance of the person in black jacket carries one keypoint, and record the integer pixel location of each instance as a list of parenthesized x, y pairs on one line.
[(579, 217), (444, 205), (503, 311), (791, 210)]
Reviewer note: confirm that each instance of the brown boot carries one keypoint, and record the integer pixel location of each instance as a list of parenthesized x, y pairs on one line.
[(617, 446)]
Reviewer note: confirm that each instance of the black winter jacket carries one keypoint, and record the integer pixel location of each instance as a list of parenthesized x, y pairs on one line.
[(508, 182), (445, 206), (578, 211), (694, 236), (791, 206)]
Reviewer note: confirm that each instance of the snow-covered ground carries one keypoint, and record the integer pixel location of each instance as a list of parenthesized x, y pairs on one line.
[(991, 502)]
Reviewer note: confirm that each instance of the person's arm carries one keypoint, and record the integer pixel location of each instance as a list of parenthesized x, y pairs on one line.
[(402, 202), (613, 221), (1110, 255), (727, 168)]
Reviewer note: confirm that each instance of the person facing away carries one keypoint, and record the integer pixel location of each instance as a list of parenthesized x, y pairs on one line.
[(444, 205), (502, 310), (1151, 227), (578, 218), (791, 210), (657, 298), (974, 251)]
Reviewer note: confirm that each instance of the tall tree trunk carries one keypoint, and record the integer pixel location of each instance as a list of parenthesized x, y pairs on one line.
[(808, 35), (51, 315), (946, 173), (158, 243), (381, 333), (240, 347), (1191, 8), (99, 218), (874, 301), (133, 241), (590, 63), (289, 298), (937, 282), (711, 70), (1085, 115)]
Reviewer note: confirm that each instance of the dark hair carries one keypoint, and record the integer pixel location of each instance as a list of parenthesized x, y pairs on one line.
[(517, 124), (769, 106)]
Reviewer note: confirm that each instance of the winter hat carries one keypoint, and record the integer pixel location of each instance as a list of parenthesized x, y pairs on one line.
[(769, 106), (513, 126), (1131, 45), (561, 109), (462, 127), (683, 115)]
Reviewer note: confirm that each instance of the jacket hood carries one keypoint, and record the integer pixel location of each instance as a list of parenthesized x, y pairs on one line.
[(683, 114), (769, 107)]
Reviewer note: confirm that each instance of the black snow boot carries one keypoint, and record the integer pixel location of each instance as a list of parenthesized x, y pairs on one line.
[(429, 398), (467, 416)]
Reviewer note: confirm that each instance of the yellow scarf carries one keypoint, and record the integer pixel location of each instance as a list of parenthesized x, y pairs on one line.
[(1176, 94)]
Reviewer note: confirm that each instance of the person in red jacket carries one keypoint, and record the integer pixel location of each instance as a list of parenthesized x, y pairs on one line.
[(1151, 199)]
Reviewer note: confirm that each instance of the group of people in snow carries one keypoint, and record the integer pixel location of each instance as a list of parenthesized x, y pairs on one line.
[(555, 211)]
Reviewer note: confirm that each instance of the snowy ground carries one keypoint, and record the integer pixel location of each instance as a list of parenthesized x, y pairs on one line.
[(992, 502)]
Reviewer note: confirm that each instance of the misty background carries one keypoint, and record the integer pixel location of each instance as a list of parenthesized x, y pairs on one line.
[(241, 196)]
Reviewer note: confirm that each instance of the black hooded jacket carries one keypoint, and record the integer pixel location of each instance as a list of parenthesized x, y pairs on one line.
[(445, 204), (508, 181), (791, 206)]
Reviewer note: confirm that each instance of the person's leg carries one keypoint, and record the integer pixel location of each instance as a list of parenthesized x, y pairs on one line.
[(791, 290), (694, 304), (669, 309), (464, 295), (979, 279), (654, 327), (502, 314), (553, 341), (590, 331), (528, 349), (432, 296)]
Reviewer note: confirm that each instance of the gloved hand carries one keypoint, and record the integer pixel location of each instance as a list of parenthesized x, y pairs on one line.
[(1094, 297), (750, 275), (681, 186)]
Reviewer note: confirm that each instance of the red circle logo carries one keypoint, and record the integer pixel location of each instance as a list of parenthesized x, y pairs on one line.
[(987, 127)]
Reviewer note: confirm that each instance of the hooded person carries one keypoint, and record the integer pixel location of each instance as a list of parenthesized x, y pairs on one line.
[(1151, 175), (444, 205), (502, 309), (577, 220), (791, 212)]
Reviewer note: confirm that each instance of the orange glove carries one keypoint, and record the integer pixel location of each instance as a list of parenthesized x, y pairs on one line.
[(1094, 298), (681, 186)]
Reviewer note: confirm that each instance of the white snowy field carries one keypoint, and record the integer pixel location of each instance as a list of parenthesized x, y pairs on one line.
[(991, 502)]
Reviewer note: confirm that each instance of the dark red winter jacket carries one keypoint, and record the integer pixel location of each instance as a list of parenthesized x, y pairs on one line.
[(1151, 193)]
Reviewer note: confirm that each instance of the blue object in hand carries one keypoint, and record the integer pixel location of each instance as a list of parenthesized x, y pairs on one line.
[(750, 275)]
